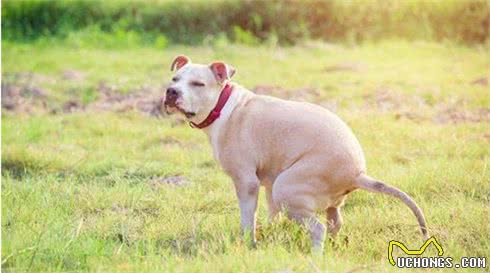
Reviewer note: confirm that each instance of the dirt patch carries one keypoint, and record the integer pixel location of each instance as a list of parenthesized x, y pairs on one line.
[(29, 78), (411, 115), (455, 115), (170, 141), (73, 75), (386, 99), (21, 93), (481, 81), (147, 100), (404, 107), (71, 106), (177, 180), (346, 67), (389, 99), (416, 108)]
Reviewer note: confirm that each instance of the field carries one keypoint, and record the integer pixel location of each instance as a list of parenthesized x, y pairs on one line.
[(94, 179)]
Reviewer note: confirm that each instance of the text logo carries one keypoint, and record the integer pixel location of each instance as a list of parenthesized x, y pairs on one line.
[(415, 251)]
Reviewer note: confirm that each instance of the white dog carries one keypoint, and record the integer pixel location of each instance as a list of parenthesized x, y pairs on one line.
[(306, 157)]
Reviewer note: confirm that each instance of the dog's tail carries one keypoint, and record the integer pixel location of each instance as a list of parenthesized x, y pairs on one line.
[(370, 184)]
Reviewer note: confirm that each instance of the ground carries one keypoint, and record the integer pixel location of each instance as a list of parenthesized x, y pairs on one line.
[(95, 179)]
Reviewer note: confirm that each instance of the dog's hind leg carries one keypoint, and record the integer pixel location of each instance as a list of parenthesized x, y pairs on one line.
[(273, 209), (314, 226), (291, 192), (334, 221)]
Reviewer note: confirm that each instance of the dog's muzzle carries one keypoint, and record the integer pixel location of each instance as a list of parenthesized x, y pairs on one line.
[(171, 101), (171, 97)]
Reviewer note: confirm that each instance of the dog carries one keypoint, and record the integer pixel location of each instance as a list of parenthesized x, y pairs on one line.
[(305, 156)]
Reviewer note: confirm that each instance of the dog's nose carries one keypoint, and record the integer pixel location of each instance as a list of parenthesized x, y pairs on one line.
[(172, 96), (172, 92)]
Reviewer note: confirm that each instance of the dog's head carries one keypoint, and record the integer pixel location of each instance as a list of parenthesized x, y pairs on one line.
[(195, 88)]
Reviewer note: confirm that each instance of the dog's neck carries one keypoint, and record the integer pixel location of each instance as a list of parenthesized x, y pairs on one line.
[(214, 130), (205, 118)]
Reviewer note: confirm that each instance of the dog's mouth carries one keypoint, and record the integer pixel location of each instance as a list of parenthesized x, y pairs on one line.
[(170, 109)]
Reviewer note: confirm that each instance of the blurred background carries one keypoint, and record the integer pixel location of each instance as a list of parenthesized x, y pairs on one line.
[(96, 179), (163, 22)]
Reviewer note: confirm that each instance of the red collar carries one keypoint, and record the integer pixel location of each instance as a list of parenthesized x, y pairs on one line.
[(216, 112)]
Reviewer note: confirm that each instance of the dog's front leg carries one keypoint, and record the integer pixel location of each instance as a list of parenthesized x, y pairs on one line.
[(247, 189)]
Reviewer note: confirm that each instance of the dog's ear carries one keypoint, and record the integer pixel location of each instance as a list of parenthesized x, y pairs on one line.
[(179, 62), (222, 71)]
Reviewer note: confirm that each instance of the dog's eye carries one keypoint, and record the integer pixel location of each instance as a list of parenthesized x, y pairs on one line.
[(199, 84), (174, 79)]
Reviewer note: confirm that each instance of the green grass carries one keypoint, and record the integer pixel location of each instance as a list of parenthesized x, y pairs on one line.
[(77, 191)]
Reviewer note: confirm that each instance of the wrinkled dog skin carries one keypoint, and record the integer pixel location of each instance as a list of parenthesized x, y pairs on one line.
[(306, 157)]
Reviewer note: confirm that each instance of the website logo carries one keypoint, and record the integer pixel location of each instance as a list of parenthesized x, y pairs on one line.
[(414, 260)]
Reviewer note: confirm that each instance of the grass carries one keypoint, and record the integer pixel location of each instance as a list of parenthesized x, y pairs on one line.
[(78, 190)]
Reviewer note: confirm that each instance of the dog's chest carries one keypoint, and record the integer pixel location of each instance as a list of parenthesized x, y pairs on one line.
[(214, 136), (214, 140)]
